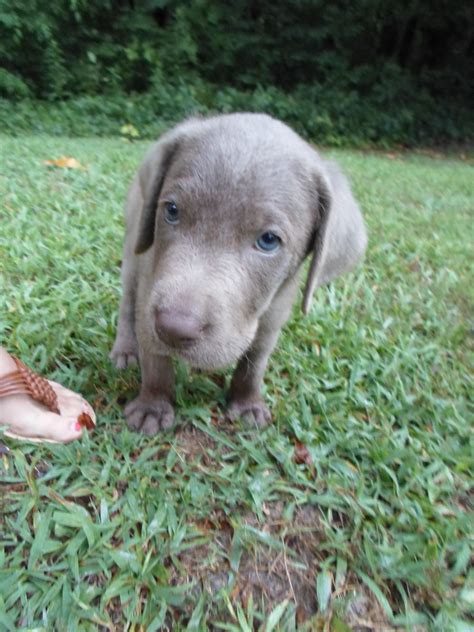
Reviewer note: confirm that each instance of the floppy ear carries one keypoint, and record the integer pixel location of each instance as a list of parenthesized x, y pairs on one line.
[(340, 237), (151, 176)]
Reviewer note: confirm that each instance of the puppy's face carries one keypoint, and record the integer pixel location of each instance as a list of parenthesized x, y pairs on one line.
[(234, 220)]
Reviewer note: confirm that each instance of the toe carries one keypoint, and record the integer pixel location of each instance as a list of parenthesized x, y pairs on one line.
[(150, 425), (258, 416), (149, 417), (123, 359), (121, 362), (134, 419), (167, 420), (72, 404), (254, 413), (52, 427)]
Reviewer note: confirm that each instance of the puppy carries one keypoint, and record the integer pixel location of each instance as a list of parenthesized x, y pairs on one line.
[(220, 217)]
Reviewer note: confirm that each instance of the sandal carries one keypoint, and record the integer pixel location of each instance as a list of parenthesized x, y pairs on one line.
[(24, 381)]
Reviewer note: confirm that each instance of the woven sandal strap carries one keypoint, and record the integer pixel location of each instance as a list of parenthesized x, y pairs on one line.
[(12, 384), (25, 381), (38, 387)]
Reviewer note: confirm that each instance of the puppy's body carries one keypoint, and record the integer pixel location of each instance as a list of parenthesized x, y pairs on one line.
[(220, 217)]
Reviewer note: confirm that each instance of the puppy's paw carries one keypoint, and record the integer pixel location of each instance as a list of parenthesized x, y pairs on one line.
[(253, 412), (148, 416), (124, 352)]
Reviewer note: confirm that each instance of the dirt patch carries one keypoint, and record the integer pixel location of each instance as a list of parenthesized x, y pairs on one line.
[(286, 568)]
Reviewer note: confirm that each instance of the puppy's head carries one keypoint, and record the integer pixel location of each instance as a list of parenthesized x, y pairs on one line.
[(231, 207)]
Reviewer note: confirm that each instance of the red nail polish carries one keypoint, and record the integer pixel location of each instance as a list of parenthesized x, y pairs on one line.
[(85, 421)]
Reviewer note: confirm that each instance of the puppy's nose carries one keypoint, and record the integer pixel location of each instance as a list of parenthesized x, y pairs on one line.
[(178, 329)]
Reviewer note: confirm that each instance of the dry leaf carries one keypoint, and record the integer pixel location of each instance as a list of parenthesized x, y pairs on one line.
[(130, 131), (65, 162), (302, 455)]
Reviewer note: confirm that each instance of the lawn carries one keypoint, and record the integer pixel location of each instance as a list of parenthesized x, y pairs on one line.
[(351, 512)]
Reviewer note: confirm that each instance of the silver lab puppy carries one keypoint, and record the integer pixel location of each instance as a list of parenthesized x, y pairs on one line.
[(220, 216)]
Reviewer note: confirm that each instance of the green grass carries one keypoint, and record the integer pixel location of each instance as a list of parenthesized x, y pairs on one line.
[(352, 509)]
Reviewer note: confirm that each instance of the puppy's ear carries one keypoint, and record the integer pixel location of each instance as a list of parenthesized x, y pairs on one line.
[(340, 237), (151, 176)]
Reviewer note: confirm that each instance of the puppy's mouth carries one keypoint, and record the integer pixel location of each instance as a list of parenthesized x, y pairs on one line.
[(207, 354), (199, 360), (181, 346)]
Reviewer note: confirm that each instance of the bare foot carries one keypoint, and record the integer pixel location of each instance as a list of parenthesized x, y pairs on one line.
[(27, 419)]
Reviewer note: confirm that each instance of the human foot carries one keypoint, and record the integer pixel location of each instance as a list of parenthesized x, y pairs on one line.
[(28, 402)]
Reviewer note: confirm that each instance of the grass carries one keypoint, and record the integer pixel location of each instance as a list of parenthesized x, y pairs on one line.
[(351, 512)]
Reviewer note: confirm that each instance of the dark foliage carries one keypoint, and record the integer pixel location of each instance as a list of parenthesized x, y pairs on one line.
[(400, 71)]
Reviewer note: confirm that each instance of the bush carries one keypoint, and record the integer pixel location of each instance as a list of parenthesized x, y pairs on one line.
[(363, 71), (12, 87), (327, 117)]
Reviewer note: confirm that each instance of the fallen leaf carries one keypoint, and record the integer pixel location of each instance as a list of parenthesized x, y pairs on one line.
[(414, 266), (301, 454), (130, 131), (65, 162)]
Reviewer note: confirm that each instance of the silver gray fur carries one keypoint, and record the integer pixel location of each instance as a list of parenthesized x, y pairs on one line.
[(201, 290)]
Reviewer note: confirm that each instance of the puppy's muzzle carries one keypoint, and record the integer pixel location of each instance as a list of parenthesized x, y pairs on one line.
[(178, 329)]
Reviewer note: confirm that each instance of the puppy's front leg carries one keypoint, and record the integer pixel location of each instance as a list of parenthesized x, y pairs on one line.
[(125, 350), (153, 410), (245, 399)]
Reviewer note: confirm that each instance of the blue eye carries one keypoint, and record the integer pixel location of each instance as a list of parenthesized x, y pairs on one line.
[(171, 213), (268, 242)]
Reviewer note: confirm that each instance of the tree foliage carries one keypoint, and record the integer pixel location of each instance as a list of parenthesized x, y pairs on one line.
[(399, 56)]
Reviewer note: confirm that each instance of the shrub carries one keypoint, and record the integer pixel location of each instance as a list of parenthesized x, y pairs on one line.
[(364, 71)]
